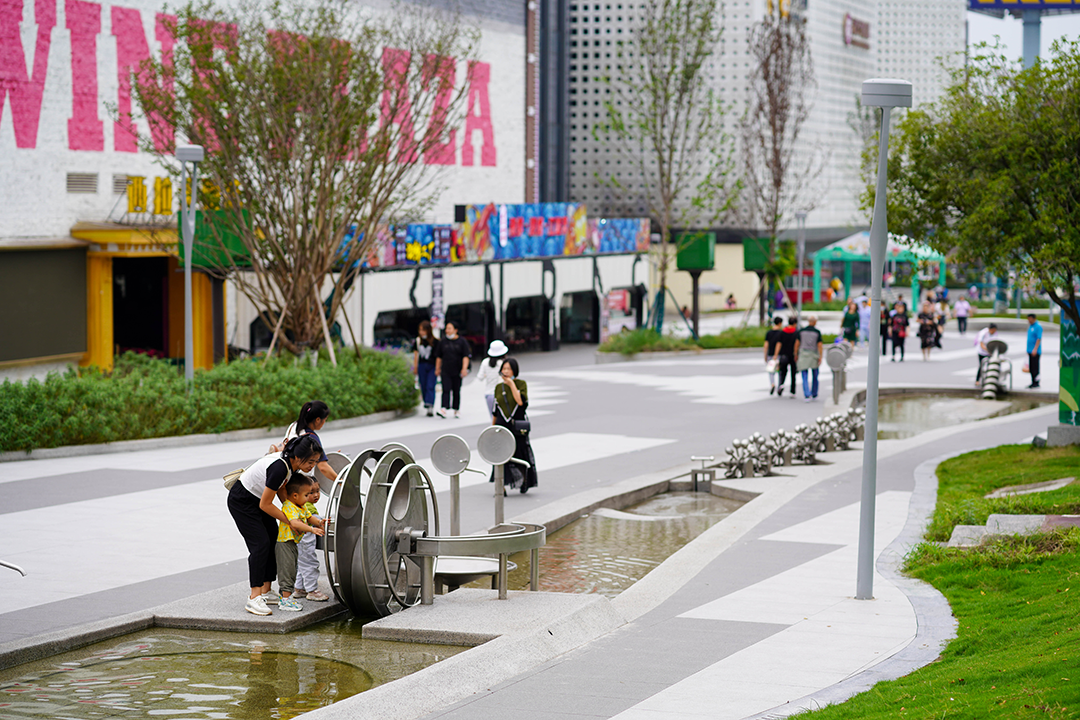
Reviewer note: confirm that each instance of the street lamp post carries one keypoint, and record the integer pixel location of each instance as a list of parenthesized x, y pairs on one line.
[(884, 94), (800, 216), (188, 154)]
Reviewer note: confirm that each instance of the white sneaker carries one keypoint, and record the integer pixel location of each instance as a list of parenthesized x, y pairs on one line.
[(257, 606), (271, 598), (806, 399)]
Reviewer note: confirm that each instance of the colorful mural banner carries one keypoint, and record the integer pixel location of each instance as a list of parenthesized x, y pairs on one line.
[(495, 232)]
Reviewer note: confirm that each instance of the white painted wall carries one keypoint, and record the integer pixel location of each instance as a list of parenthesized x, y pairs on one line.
[(32, 178)]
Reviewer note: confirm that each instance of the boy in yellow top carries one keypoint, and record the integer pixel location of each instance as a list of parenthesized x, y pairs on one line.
[(297, 491)]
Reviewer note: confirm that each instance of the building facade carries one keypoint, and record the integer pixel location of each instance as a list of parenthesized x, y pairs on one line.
[(850, 41), (69, 172)]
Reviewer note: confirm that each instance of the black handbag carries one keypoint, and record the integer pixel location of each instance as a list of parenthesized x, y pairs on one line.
[(522, 427)]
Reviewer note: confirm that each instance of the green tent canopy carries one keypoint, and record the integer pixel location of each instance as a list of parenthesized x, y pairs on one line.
[(856, 248)]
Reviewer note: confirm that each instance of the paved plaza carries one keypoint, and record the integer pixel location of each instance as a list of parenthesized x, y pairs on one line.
[(756, 615)]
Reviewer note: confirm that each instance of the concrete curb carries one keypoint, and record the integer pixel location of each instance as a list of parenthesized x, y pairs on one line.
[(476, 671), (273, 434), (39, 647)]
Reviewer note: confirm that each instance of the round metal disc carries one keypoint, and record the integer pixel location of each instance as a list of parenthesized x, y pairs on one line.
[(496, 445), (450, 455), (836, 356), (338, 461), (998, 345)]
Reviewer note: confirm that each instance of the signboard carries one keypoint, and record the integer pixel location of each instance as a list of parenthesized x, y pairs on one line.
[(438, 306), (1066, 5), (616, 314), (856, 32), (206, 248)]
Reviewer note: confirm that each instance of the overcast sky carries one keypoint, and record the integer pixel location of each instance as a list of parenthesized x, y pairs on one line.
[(1010, 30)]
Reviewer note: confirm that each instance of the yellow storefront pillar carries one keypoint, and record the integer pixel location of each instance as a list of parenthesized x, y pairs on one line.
[(202, 319), (99, 312)]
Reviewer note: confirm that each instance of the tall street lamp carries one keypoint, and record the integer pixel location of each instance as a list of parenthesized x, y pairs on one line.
[(188, 154), (884, 94), (800, 216)]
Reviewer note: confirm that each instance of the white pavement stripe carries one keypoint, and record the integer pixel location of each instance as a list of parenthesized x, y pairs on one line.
[(706, 389), (830, 637), (84, 547)]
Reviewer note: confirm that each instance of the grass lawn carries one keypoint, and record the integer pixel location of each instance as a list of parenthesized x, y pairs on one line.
[(1017, 653)]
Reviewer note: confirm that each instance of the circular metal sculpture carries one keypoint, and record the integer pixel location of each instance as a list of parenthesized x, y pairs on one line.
[(496, 445), (382, 533), (338, 461), (450, 455)]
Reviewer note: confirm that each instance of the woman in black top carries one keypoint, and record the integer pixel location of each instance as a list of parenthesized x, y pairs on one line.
[(899, 329), (927, 330), (251, 504), (511, 402), (424, 348), (452, 364)]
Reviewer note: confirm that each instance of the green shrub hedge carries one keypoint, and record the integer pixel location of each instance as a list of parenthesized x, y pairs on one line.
[(648, 340), (145, 398)]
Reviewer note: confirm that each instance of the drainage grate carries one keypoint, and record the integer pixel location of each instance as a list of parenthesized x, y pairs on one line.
[(82, 183)]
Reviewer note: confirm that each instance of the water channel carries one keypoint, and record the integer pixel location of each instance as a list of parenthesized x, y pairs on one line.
[(197, 675), (904, 416)]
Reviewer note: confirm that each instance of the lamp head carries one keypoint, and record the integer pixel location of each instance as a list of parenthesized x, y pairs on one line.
[(190, 153), (886, 93)]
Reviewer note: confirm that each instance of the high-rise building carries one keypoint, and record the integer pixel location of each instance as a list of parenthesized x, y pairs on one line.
[(850, 40)]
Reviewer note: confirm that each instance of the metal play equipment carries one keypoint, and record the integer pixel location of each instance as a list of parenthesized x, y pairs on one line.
[(383, 549), (837, 356), (496, 446), (337, 461), (995, 369)]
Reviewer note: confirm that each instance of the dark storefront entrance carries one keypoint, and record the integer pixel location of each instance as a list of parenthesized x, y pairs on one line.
[(579, 317), (141, 305)]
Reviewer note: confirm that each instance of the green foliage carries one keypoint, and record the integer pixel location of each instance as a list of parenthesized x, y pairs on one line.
[(964, 480), (990, 172), (648, 340), (145, 398), (290, 98)]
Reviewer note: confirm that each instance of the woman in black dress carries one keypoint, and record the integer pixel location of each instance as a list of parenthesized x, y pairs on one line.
[(511, 402), (927, 330)]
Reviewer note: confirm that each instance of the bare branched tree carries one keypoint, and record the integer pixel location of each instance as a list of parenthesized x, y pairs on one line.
[(320, 122), (666, 124), (779, 167)]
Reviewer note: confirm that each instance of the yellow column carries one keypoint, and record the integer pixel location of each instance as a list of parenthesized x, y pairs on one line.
[(202, 319), (99, 312)]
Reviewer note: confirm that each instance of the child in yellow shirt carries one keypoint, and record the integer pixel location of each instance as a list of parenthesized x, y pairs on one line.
[(297, 492)]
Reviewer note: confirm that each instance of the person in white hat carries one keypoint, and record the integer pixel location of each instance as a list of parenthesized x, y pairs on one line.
[(488, 373)]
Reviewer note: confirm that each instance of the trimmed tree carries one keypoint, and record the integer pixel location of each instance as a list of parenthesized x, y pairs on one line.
[(323, 123), (666, 125), (778, 167)]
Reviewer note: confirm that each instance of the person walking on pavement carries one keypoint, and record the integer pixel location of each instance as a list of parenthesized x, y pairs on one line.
[(885, 322), (849, 325), (424, 347), (864, 321), (511, 403), (772, 351), (789, 350), (488, 372), (810, 354), (452, 365), (899, 320), (1034, 349), (927, 330), (962, 310), (981, 341)]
